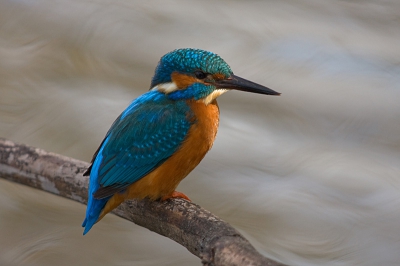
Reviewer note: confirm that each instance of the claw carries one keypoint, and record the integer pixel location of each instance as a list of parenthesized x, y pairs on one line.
[(176, 194)]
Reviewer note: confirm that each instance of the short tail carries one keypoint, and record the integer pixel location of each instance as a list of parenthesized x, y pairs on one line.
[(94, 206), (93, 211)]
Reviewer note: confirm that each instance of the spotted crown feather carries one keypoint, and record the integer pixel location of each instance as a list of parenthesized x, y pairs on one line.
[(188, 60)]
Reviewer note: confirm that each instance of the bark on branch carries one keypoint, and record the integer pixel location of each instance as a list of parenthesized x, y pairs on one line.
[(214, 241)]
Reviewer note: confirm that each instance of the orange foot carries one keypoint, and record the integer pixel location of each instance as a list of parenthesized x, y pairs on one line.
[(176, 194)]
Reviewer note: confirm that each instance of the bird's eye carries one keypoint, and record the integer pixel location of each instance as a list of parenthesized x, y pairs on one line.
[(200, 74)]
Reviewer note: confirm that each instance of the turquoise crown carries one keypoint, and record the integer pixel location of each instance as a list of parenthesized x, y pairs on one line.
[(188, 60)]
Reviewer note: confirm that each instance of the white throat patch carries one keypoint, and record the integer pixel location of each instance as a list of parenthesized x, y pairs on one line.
[(213, 95)]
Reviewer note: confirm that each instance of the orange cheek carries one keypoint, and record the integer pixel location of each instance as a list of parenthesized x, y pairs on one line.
[(218, 76), (183, 81)]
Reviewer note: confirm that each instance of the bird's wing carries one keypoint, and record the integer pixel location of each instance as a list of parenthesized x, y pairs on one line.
[(141, 139)]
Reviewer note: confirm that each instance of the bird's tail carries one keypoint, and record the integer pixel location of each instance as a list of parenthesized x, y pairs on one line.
[(93, 211), (94, 206)]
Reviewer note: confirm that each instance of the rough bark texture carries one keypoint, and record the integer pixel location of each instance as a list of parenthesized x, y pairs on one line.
[(214, 241)]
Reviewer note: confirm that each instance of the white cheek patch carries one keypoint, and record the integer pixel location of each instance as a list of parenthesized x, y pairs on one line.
[(213, 95), (165, 87)]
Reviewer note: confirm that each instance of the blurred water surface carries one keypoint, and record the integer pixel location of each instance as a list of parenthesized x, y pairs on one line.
[(311, 177)]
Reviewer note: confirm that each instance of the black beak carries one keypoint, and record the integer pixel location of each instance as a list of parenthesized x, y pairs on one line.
[(241, 84)]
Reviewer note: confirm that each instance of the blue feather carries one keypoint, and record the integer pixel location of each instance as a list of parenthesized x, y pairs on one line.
[(187, 61), (94, 206), (144, 136)]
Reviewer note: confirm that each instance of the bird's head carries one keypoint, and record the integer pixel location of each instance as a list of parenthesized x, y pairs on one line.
[(185, 74)]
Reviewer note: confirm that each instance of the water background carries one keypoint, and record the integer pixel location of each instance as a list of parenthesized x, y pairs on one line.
[(310, 178)]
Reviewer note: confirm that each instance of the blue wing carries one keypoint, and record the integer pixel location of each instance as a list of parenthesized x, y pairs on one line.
[(146, 134)]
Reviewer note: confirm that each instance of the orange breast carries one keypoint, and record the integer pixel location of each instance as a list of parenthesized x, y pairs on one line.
[(164, 179)]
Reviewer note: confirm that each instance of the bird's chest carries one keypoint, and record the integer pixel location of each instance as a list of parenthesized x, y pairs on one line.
[(204, 128), (198, 141)]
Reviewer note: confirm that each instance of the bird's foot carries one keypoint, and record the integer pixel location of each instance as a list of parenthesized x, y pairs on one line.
[(176, 194)]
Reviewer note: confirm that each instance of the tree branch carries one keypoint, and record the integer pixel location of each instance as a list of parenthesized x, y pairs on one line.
[(214, 241)]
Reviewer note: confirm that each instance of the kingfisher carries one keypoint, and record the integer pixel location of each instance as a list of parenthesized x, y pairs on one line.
[(163, 134)]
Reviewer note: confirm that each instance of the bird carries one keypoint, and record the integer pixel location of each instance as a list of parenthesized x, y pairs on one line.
[(163, 134)]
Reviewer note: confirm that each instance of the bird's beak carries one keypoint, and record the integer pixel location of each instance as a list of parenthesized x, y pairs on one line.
[(241, 84)]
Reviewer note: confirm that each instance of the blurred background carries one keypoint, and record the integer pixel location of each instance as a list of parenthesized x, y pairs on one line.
[(310, 178)]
